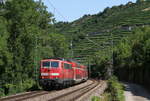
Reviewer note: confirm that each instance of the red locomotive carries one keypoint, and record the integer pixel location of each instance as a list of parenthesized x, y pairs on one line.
[(61, 73)]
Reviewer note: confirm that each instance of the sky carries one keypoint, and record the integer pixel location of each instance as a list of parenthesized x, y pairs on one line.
[(70, 10)]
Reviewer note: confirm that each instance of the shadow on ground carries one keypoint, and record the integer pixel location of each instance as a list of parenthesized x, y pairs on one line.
[(137, 90)]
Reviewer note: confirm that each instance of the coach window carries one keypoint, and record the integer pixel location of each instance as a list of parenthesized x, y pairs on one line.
[(54, 64)]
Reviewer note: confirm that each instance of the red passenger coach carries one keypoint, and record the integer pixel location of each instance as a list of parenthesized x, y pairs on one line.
[(61, 72)]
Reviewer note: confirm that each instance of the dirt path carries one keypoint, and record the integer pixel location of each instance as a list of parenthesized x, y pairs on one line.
[(134, 92)]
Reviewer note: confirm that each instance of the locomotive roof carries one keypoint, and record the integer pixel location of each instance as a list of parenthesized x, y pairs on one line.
[(63, 59)]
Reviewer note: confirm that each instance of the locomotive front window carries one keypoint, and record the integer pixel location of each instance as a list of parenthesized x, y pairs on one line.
[(54, 64), (46, 64)]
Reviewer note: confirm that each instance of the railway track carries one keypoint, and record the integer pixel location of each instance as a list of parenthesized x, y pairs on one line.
[(24, 96), (68, 94), (75, 94)]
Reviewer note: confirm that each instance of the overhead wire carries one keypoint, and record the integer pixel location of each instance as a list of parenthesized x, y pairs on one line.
[(55, 9)]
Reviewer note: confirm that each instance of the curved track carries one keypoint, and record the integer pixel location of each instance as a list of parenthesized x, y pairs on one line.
[(73, 95), (67, 94), (27, 95)]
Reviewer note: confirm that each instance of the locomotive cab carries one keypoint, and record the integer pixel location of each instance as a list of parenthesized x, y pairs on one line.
[(50, 72), (50, 69)]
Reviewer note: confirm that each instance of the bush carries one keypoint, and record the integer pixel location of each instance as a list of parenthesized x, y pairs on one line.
[(10, 89), (114, 92), (2, 92), (106, 97), (116, 89), (96, 98), (23, 86), (27, 84)]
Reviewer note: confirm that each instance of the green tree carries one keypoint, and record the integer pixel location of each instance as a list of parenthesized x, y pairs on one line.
[(133, 57), (24, 26), (5, 55), (59, 45)]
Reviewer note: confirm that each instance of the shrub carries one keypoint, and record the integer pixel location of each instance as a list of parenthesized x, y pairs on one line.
[(116, 89), (2, 92), (96, 98), (106, 97), (17, 88)]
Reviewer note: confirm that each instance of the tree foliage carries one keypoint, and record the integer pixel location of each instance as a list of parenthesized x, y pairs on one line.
[(26, 36), (134, 66)]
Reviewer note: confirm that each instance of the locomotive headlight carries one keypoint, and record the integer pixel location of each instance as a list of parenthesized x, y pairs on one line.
[(44, 74), (55, 74)]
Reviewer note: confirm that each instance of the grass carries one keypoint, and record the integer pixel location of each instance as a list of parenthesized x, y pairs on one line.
[(114, 92)]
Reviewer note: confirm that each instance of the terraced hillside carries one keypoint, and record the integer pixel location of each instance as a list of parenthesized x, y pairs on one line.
[(93, 33), (92, 43), (100, 41)]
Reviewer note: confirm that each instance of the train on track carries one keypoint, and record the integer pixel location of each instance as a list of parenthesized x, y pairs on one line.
[(61, 73)]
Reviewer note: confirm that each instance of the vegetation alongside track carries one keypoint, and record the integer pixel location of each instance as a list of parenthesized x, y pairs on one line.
[(114, 92), (132, 57)]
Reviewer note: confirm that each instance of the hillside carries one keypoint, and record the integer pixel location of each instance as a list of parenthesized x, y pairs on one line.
[(105, 28)]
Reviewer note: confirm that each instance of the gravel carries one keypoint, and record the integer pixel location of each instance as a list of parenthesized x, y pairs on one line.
[(53, 94), (97, 91)]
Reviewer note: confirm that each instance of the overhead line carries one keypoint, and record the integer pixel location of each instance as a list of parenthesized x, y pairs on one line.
[(55, 9)]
